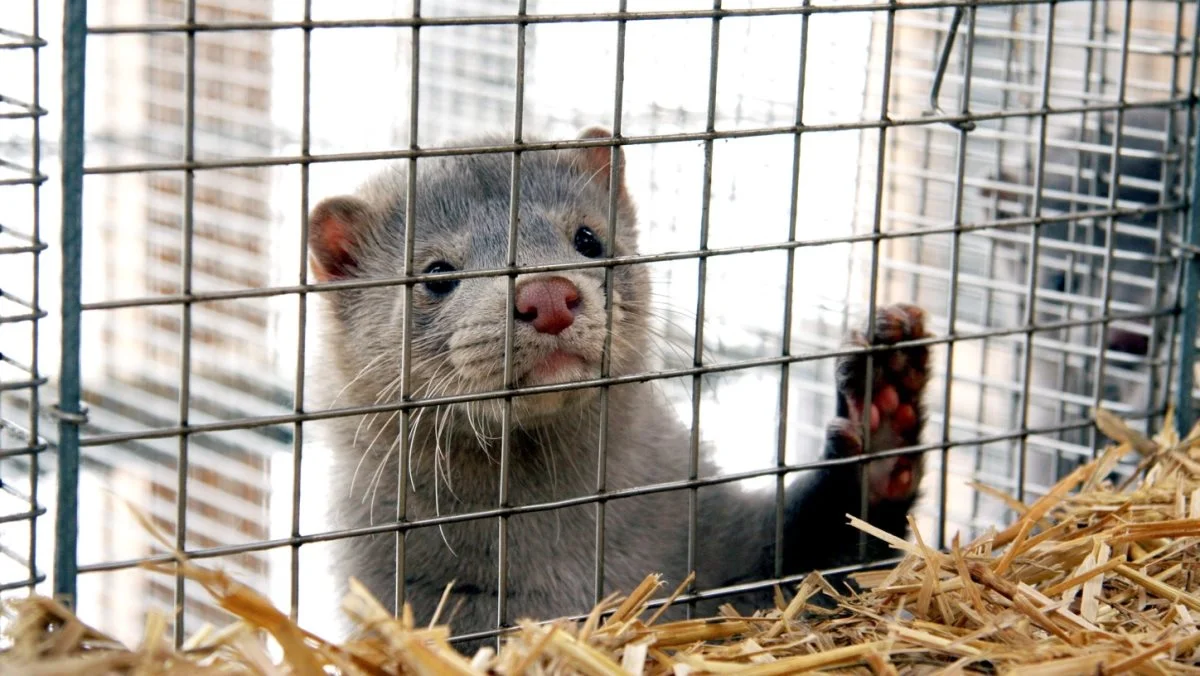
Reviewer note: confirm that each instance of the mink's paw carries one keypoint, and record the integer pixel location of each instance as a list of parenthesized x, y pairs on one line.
[(893, 412), (898, 378), (843, 439), (891, 478)]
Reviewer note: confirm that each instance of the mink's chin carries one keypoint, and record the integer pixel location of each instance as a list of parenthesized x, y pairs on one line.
[(534, 409)]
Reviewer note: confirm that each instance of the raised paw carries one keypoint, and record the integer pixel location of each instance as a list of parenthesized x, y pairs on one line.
[(891, 415), (894, 478)]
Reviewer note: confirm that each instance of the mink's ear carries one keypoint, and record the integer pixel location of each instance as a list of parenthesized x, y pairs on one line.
[(337, 229), (596, 162)]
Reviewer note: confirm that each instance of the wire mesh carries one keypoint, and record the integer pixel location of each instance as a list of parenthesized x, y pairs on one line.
[(21, 309), (1101, 148), (1019, 169)]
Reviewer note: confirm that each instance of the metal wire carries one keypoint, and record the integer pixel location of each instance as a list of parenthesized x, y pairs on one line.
[(701, 286), (35, 282), (506, 419), (876, 229), (185, 331), (1035, 241), (1113, 192), (530, 19), (410, 223), (615, 176), (345, 411), (1158, 387), (302, 315), (788, 299), (955, 260), (682, 137)]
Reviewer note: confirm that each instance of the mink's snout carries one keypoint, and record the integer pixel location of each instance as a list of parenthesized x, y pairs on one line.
[(549, 304)]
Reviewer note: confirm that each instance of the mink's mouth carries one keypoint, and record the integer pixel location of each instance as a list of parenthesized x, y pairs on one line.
[(552, 366), (558, 366)]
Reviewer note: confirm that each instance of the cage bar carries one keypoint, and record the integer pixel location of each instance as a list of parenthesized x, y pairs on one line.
[(70, 410)]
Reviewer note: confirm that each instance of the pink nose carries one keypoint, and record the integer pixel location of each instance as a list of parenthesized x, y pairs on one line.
[(548, 304)]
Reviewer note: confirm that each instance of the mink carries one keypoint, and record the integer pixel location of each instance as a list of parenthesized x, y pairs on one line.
[(458, 326)]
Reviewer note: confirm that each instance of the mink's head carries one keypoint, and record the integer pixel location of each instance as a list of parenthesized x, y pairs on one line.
[(462, 215)]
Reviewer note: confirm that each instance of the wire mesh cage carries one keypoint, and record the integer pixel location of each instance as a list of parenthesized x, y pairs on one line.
[(1020, 170), (21, 309)]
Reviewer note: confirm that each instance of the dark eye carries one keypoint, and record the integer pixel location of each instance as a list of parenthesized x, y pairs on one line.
[(440, 288), (588, 244)]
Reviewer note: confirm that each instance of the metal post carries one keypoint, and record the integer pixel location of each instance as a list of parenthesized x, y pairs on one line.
[(1185, 413), (66, 526)]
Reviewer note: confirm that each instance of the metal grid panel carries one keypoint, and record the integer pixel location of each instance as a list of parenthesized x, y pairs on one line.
[(21, 307), (231, 115), (1094, 69)]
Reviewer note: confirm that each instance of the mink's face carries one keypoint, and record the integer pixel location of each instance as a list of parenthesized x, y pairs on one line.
[(559, 318)]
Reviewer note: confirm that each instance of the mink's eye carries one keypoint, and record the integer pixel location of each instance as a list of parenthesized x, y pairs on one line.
[(437, 287), (587, 243)]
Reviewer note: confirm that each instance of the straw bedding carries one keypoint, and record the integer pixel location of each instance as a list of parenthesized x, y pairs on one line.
[(1090, 579)]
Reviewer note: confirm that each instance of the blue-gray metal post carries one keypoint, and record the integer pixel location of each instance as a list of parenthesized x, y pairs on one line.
[(1184, 414), (66, 526), (1189, 283)]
